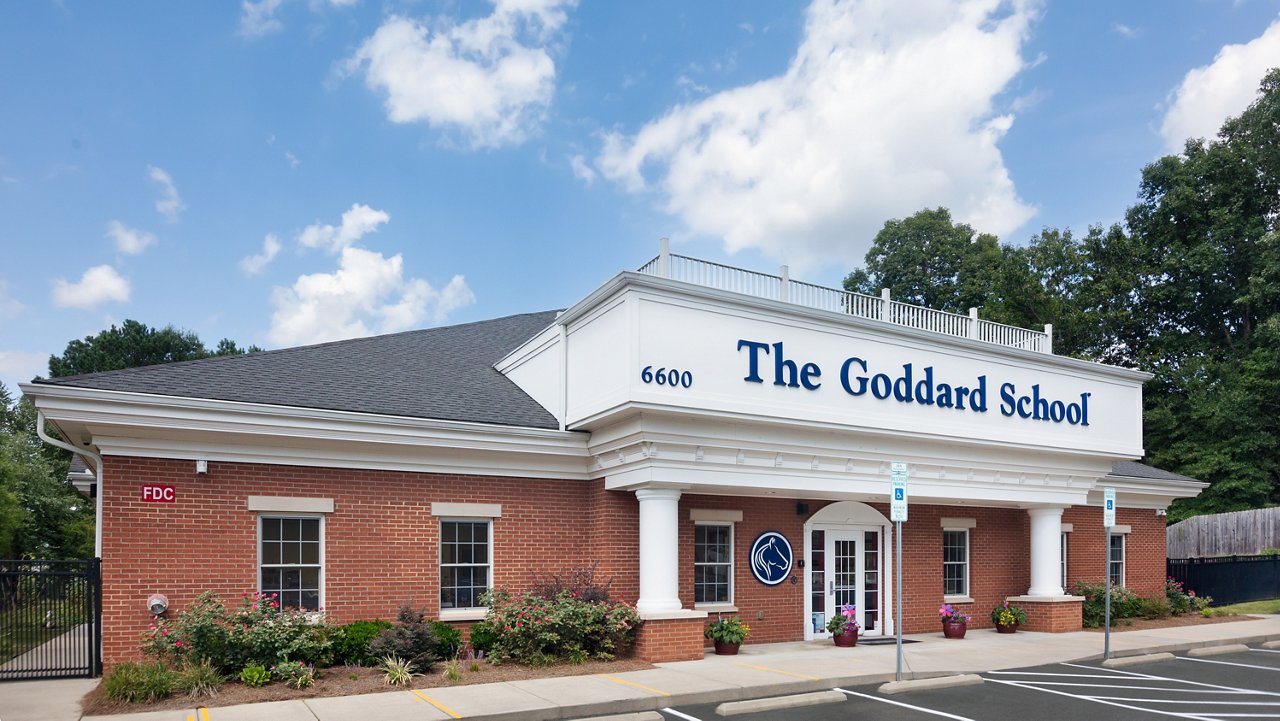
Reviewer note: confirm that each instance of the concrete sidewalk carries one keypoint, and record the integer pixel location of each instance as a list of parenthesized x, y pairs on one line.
[(760, 670)]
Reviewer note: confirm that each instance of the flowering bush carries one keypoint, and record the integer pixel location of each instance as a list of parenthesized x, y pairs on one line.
[(1006, 615), (727, 630), (535, 630), (259, 632), (844, 622), (951, 614), (1184, 600), (295, 674)]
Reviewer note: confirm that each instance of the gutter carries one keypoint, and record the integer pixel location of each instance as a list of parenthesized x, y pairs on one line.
[(95, 461)]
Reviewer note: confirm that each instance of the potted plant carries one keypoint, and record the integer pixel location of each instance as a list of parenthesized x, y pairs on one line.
[(727, 634), (1007, 618), (954, 621), (843, 627)]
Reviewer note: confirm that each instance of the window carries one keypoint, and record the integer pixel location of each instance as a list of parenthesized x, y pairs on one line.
[(1063, 555), (465, 563), (1115, 559), (955, 562), (713, 563), (291, 560)]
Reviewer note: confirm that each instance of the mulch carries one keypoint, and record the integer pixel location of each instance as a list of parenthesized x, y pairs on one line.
[(351, 680), (1188, 619)]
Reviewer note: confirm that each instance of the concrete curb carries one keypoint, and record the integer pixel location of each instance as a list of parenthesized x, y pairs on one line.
[(928, 684), (1182, 647), (1137, 660), (777, 703), (1218, 650)]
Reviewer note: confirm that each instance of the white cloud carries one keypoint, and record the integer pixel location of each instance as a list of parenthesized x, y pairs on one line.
[(885, 108), (129, 241), (491, 77), (1124, 30), (255, 264), (169, 204), (21, 366), (9, 307), (580, 169), (259, 18), (292, 159), (357, 222), (1210, 94), (98, 285), (367, 293)]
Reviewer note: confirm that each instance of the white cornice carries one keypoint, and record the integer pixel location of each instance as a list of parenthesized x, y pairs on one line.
[(665, 286)]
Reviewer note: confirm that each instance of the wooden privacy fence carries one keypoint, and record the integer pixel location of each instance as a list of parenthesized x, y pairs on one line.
[(1241, 533)]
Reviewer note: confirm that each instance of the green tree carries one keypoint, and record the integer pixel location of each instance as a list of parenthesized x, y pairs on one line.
[(134, 344)]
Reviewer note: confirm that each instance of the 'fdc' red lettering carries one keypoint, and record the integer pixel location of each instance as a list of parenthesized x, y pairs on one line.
[(158, 493)]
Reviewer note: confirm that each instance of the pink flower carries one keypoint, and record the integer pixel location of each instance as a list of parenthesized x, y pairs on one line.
[(177, 644), (164, 632), (273, 603)]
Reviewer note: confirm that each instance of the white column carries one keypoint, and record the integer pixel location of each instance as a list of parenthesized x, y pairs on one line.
[(1046, 559), (659, 550)]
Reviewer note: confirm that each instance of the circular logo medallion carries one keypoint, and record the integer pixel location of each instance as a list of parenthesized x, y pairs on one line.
[(771, 558)]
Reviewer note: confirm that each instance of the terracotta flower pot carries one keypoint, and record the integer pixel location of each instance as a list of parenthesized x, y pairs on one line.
[(846, 639), (954, 629), (724, 648), (1006, 628)]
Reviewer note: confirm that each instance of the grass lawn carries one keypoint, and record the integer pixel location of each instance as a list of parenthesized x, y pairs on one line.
[(23, 629), (1272, 606)]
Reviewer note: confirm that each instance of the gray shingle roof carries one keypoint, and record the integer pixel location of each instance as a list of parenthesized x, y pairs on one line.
[(441, 373), (1133, 469)]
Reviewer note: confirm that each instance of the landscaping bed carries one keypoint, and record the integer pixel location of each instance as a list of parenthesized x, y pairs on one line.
[(1145, 624), (337, 681)]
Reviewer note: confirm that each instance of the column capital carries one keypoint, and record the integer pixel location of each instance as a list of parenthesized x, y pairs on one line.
[(658, 494)]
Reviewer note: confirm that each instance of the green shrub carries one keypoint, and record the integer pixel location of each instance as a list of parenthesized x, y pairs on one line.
[(448, 640), (295, 674), (259, 632), (351, 642), (198, 680), (1125, 604), (397, 671), (411, 639), (139, 682), (482, 637), (451, 671), (534, 630), (1152, 608), (255, 676)]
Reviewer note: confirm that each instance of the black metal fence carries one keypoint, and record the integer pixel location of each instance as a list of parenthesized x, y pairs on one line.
[(1229, 579), (50, 619)]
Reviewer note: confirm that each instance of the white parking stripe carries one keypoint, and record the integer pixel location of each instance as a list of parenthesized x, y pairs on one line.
[(684, 716), (1265, 650), (1161, 689), (1182, 701), (905, 705), (1229, 663), (1191, 683), (1195, 717), (1058, 675), (1246, 715)]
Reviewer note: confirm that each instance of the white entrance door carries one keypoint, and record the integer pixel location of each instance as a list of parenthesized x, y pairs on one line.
[(845, 567)]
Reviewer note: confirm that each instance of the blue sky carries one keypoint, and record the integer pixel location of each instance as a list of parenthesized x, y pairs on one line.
[(290, 171)]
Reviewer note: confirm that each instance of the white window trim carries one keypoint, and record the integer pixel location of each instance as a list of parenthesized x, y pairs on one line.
[(466, 511), (968, 571), (727, 607), (323, 556), (469, 613), (1124, 553), (289, 504)]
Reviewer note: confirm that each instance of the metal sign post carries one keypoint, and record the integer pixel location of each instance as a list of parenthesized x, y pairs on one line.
[(1108, 521), (898, 514)]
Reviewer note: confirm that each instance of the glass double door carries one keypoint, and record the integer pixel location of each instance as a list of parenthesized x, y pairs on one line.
[(845, 571)]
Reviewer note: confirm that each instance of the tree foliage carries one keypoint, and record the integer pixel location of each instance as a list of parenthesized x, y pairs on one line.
[(1187, 288), (133, 344)]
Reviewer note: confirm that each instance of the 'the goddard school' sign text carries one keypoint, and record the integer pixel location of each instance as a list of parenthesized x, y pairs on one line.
[(907, 384)]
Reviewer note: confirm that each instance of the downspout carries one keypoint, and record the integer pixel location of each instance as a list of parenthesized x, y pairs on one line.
[(97, 463)]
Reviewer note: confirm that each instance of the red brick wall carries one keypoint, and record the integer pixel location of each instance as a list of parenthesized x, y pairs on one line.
[(381, 542), (672, 639), (1051, 617), (1144, 548)]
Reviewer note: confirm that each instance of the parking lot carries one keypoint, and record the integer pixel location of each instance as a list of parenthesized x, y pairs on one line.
[(1233, 686)]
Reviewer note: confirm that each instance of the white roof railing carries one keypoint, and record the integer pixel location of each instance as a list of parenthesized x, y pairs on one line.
[(882, 308)]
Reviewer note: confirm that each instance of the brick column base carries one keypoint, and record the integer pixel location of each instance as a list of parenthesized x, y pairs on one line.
[(1050, 614), (671, 639)]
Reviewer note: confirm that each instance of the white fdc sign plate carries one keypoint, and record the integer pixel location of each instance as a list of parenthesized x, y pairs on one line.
[(898, 499), (1109, 507)]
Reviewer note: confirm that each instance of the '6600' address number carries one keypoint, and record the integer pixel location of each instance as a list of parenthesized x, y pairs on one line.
[(667, 377)]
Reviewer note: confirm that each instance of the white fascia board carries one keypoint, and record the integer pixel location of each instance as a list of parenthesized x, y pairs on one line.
[(146, 424), (545, 339), (672, 288)]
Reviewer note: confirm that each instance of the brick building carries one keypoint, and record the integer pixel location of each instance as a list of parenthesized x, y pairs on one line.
[(716, 440)]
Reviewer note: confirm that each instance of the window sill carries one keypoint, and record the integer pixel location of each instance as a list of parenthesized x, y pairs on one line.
[(957, 599), (463, 614), (715, 607)]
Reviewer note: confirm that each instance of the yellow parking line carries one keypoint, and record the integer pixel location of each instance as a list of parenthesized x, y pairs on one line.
[(435, 703), (640, 686), (777, 670)]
